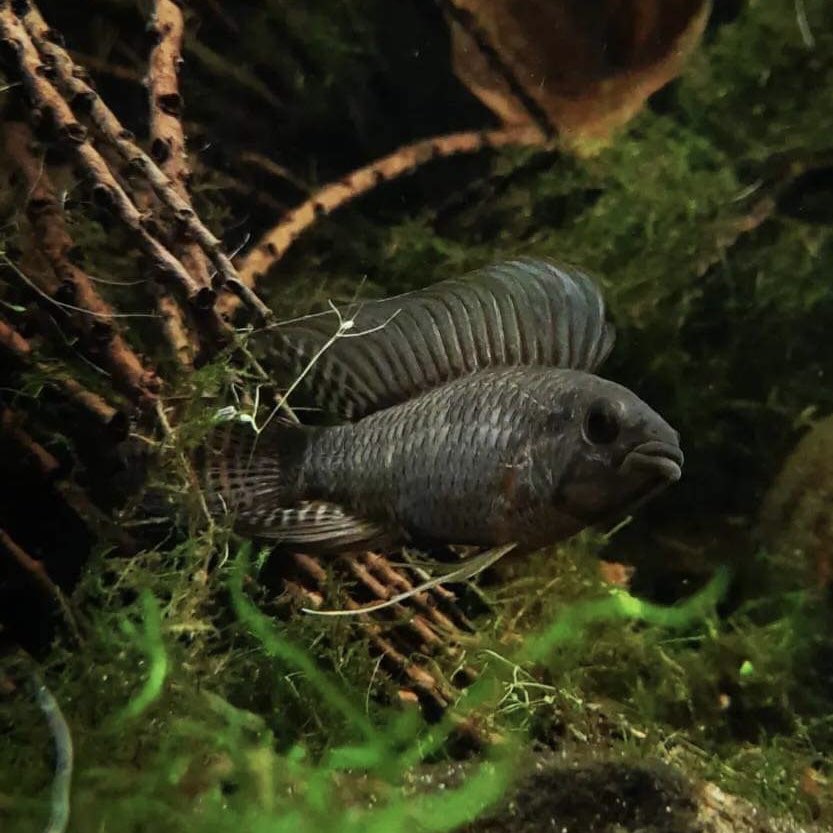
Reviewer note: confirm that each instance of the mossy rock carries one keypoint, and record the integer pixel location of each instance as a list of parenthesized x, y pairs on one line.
[(797, 513)]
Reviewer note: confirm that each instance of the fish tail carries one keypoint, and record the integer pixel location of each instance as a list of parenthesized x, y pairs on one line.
[(254, 478), (248, 474)]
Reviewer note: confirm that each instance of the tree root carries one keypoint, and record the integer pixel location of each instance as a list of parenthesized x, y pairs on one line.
[(273, 245)]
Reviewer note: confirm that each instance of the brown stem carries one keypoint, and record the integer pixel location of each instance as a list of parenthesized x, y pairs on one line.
[(168, 141), (114, 421), (72, 288), (398, 580), (421, 679), (47, 467), (32, 452), (165, 103), (175, 327), (50, 107), (37, 571), (273, 245), (13, 343)]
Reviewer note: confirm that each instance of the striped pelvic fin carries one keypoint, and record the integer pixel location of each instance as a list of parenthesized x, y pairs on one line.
[(317, 525)]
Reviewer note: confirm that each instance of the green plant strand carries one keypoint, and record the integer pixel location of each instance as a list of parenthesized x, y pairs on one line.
[(622, 606), (278, 646), (157, 659)]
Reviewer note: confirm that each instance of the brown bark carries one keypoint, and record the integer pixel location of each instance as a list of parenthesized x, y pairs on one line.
[(51, 108), (89, 313), (42, 463), (114, 421), (168, 178), (586, 68), (38, 573)]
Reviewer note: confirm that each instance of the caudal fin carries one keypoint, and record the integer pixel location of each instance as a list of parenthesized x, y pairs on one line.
[(251, 478), (247, 474)]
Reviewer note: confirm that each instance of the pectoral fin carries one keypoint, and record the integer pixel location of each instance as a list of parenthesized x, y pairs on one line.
[(315, 525)]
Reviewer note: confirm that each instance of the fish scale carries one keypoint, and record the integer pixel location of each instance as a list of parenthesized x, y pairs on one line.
[(435, 465)]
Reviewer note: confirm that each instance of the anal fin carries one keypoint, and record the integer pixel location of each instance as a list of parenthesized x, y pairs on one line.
[(316, 525)]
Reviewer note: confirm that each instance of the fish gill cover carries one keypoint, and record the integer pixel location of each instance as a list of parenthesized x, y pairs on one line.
[(157, 670)]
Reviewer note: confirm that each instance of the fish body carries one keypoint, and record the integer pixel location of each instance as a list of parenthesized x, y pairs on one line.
[(457, 438), (503, 455)]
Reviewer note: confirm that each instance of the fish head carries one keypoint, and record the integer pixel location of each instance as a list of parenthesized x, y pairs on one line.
[(620, 451)]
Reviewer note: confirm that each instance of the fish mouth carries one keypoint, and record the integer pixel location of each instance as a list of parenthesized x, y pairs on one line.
[(665, 459)]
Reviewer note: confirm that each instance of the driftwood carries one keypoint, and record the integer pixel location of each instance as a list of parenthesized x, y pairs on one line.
[(54, 113), (275, 243), (70, 288), (113, 421), (582, 70)]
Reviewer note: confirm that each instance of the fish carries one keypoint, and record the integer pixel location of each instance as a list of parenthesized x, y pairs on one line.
[(476, 421)]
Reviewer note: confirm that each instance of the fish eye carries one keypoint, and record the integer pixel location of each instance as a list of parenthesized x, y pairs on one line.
[(602, 423)]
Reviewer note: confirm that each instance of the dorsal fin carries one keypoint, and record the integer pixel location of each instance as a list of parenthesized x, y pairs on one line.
[(519, 312)]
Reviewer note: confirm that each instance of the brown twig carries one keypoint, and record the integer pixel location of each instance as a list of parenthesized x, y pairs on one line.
[(396, 579), (38, 572), (47, 467), (72, 288), (168, 141), (168, 148), (273, 245), (175, 327), (166, 133), (50, 107), (113, 420), (13, 343), (420, 678), (31, 452)]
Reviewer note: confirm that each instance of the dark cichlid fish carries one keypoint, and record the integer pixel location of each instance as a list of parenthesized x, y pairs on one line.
[(477, 421)]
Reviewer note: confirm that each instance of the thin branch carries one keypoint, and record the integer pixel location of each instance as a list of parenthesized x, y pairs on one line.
[(46, 215), (166, 133), (39, 575), (420, 678), (48, 468), (273, 245), (175, 327), (113, 420), (168, 148), (426, 601), (167, 137), (32, 452), (51, 108)]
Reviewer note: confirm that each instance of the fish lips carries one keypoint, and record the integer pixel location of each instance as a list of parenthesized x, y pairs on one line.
[(661, 458)]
